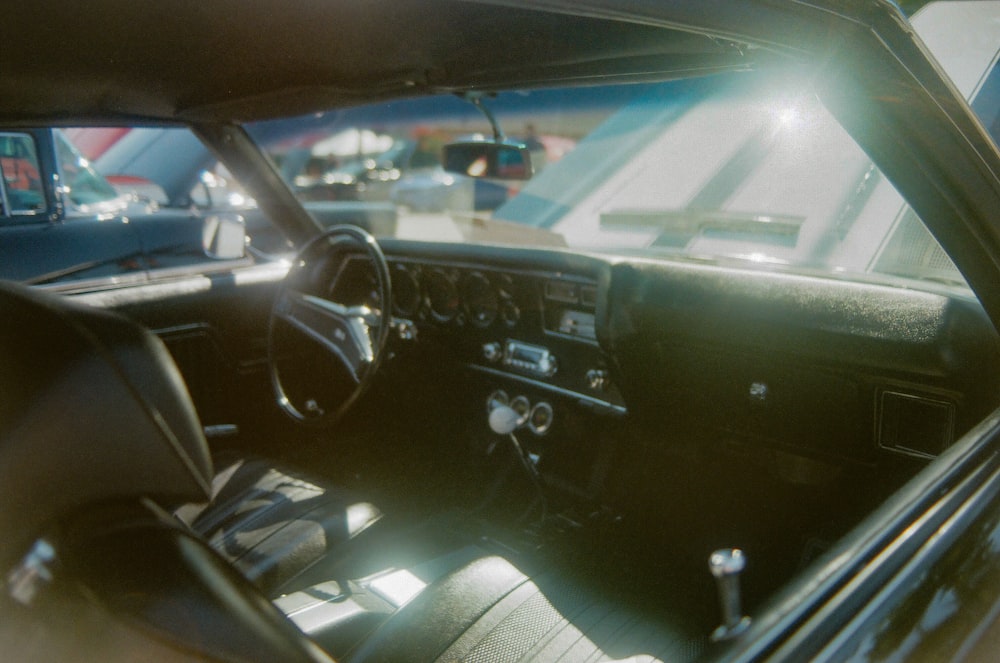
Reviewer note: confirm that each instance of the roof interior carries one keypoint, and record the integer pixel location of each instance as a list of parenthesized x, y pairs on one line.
[(248, 59)]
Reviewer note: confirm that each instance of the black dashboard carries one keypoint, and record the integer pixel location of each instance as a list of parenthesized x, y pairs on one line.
[(826, 368), (685, 353), (525, 324)]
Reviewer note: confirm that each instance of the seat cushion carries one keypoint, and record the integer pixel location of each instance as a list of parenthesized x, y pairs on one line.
[(488, 610), (273, 522)]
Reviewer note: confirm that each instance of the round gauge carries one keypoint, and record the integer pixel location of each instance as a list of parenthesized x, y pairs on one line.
[(442, 296), (505, 286), (540, 419), (405, 292), (481, 301), (510, 314)]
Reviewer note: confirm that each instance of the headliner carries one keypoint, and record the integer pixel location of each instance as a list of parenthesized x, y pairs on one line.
[(239, 60)]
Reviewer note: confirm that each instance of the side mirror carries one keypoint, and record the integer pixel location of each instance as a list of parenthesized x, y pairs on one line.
[(502, 161), (224, 236)]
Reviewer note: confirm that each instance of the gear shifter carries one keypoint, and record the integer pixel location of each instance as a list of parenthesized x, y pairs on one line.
[(504, 421), (726, 566)]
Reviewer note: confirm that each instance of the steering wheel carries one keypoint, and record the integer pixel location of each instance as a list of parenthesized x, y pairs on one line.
[(354, 335)]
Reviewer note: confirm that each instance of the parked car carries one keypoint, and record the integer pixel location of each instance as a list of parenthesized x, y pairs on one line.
[(720, 384), (170, 167), (61, 221)]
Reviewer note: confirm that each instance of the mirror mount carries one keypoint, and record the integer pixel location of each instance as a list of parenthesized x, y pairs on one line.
[(476, 99)]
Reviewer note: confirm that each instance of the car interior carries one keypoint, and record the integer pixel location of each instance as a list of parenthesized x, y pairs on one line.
[(401, 450), (690, 410)]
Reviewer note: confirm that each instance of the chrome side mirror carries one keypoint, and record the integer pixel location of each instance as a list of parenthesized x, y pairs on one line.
[(224, 236)]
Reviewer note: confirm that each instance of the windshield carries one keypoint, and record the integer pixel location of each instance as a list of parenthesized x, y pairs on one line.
[(744, 169)]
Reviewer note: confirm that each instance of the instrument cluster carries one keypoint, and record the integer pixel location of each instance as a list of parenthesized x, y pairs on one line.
[(538, 327), (442, 294), (449, 294)]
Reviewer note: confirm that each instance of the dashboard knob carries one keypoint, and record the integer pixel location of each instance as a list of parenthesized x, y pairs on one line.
[(492, 352), (407, 330), (597, 379)]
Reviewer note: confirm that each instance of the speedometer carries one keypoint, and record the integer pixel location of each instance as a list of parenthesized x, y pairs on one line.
[(481, 300), (442, 296), (405, 291)]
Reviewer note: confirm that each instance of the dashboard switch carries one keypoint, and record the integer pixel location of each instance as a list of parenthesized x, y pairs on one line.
[(492, 352)]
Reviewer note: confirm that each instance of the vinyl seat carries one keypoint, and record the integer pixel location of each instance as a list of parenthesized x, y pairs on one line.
[(272, 522)]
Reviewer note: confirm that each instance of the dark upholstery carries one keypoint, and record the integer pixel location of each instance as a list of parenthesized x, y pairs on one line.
[(97, 434), (273, 523), (488, 610), (146, 568), (92, 409)]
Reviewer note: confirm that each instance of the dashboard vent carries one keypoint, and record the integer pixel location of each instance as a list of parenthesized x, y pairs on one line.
[(915, 425)]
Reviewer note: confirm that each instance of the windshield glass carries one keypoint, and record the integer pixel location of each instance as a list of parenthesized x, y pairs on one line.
[(745, 169)]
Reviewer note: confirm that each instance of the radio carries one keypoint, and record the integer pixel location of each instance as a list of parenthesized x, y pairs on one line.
[(532, 359)]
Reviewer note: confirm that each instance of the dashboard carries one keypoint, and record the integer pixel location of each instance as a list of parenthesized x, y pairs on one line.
[(693, 354), (526, 325)]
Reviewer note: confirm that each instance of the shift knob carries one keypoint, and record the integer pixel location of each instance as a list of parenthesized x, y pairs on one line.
[(726, 566), (503, 420)]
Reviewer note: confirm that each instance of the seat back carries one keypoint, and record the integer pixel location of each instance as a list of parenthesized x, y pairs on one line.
[(92, 410)]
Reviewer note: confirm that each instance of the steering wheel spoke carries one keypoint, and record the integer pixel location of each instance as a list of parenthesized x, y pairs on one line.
[(342, 330)]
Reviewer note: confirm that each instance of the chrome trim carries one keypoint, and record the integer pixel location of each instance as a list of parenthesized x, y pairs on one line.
[(522, 407), (497, 398), (119, 293), (941, 402), (620, 409), (483, 267), (32, 573), (545, 365), (359, 319), (541, 430), (191, 328), (216, 431)]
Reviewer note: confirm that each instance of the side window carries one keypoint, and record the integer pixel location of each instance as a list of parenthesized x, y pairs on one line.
[(22, 191), (83, 186), (217, 189)]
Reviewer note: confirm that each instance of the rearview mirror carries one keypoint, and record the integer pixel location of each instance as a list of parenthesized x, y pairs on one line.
[(503, 161)]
